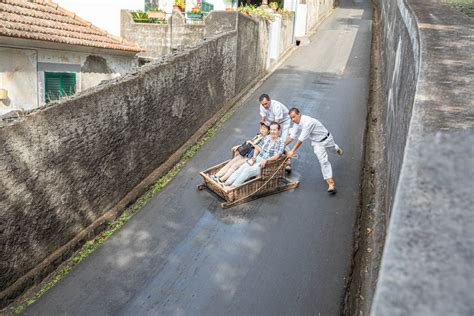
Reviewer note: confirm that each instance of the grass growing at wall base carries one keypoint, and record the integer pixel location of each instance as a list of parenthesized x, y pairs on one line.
[(464, 6), (92, 245)]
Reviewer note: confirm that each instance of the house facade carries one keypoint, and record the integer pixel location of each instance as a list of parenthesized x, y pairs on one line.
[(47, 52)]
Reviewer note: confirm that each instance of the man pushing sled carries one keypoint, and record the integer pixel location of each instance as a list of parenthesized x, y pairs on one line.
[(308, 127)]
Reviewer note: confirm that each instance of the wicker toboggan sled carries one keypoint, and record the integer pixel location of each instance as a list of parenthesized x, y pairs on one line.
[(270, 181)]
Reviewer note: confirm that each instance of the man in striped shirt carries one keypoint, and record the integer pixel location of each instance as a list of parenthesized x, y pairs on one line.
[(271, 148)]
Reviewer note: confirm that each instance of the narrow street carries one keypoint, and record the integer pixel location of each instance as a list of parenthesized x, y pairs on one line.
[(284, 254)]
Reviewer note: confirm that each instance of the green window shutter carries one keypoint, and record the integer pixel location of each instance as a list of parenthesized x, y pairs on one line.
[(59, 84), (68, 83), (52, 87)]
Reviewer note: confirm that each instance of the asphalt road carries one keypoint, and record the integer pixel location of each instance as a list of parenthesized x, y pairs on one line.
[(283, 254)]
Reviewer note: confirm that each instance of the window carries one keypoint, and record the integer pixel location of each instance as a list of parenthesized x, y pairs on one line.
[(59, 84)]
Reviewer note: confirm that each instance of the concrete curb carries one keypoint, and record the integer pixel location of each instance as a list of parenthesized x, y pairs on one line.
[(370, 227)]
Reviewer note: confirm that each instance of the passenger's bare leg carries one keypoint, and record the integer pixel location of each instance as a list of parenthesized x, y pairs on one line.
[(232, 168), (224, 169)]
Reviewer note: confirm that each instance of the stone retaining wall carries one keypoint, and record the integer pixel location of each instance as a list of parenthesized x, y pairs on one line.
[(427, 77)]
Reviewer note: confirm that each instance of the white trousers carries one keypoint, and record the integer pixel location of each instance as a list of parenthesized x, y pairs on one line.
[(244, 172), (322, 154)]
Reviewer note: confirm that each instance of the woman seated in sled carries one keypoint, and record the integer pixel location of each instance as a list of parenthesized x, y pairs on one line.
[(271, 148), (241, 154)]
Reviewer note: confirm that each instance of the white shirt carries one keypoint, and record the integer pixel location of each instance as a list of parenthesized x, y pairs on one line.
[(309, 127), (276, 111)]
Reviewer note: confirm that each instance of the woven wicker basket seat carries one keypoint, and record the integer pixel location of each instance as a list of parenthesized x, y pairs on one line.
[(270, 181)]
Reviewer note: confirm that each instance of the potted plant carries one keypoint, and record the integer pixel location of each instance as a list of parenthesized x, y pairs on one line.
[(246, 10), (140, 17), (195, 13), (273, 5), (179, 5), (150, 4), (156, 13)]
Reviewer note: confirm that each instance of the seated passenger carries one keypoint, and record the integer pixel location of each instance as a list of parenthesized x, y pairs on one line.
[(270, 149), (241, 154)]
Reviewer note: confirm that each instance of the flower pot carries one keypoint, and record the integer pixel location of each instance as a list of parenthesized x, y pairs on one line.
[(156, 15), (194, 16), (141, 20)]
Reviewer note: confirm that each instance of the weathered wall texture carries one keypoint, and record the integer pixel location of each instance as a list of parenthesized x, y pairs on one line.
[(18, 77), (153, 38), (185, 35), (400, 64), (253, 54), (427, 79), (219, 22), (160, 39), (63, 167)]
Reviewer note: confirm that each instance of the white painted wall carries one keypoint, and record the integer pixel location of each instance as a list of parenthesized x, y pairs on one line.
[(274, 42), (312, 14), (102, 13), (290, 5), (18, 77), (300, 24), (191, 4), (167, 6)]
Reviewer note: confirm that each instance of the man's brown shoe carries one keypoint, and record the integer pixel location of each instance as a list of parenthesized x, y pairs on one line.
[(331, 186)]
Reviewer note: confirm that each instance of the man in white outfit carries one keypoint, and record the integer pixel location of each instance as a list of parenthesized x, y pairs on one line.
[(308, 127), (274, 111)]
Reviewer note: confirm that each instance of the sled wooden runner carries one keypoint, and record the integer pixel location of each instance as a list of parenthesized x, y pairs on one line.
[(271, 180)]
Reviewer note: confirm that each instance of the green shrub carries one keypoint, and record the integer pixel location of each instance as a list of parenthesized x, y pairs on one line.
[(142, 17), (256, 11)]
